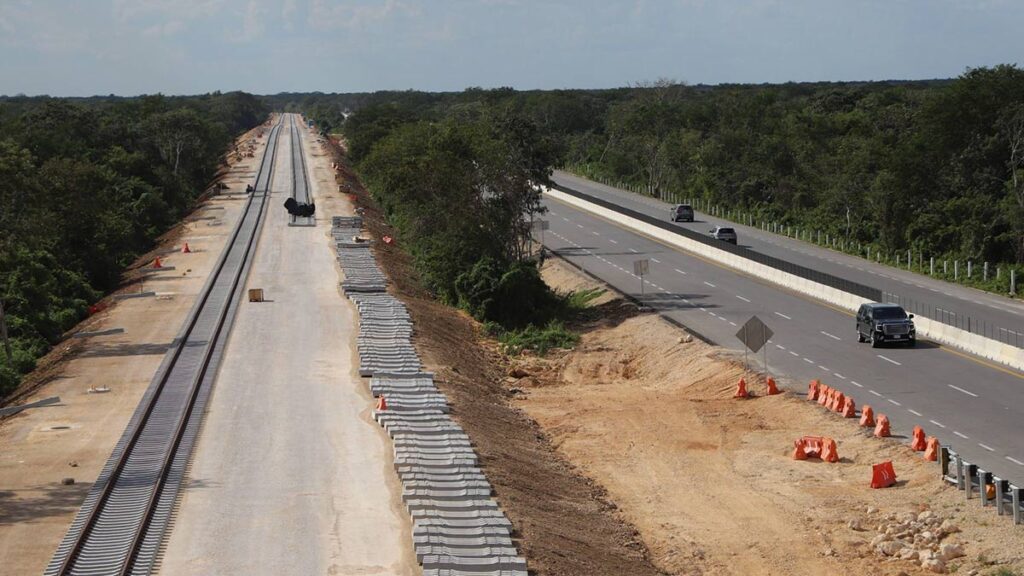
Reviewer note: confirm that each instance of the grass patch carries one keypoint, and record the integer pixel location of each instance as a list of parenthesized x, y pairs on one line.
[(537, 339), (579, 300)]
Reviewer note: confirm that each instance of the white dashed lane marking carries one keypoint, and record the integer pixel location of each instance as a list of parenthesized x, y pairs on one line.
[(959, 389), (914, 412), (808, 360), (964, 436), (875, 393), (742, 298), (783, 315), (793, 353), (838, 375), (680, 271), (857, 384), (831, 335), (889, 360), (990, 449), (1015, 461), (939, 424), (825, 368), (655, 260), (891, 401), (613, 241), (710, 284)]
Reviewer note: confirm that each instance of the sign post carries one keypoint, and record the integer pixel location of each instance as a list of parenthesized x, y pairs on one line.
[(641, 267), (755, 334)]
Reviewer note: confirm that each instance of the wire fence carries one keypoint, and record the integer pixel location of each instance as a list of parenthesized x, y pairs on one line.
[(962, 321)]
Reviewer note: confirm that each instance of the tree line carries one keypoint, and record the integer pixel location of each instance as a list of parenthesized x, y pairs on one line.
[(86, 186), (935, 167)]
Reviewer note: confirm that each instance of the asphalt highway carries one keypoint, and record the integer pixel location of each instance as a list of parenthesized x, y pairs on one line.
[(996, 316), (974, 406)]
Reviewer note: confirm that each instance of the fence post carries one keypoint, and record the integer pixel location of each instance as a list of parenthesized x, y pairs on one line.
[(931, 266), (869, 252), (897, 259), (968, 268), (956, 269), (1013, 281), (910, 261), (984, 272)]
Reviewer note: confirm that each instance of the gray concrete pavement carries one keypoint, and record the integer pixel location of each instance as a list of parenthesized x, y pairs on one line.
[(291, 474), (997, 316), (975, 406)]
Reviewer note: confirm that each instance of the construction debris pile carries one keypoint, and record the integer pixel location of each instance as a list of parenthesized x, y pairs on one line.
[(917, 538), (458, 528)]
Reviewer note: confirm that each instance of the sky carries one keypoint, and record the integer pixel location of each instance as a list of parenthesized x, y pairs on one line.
[(130, 47)]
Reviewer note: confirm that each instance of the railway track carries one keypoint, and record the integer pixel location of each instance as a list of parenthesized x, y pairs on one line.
[(300, 182), (121, 525)]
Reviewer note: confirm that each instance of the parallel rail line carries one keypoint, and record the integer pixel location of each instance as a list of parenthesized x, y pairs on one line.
[(300, 182), (121, 525)]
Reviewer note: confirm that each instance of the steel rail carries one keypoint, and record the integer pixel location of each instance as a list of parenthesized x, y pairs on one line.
[(299, 182), (108, 535)]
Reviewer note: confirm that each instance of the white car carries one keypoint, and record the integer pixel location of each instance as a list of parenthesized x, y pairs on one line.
[(724, 234)]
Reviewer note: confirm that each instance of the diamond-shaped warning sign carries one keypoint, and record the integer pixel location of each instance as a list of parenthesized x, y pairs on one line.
[(754, 334)]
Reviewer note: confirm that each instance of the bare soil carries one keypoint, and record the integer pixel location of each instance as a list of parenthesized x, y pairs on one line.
[(564, 522), (73, 439), (709, 481)]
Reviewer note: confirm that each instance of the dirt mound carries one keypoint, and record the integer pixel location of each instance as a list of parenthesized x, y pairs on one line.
[(709, 481)]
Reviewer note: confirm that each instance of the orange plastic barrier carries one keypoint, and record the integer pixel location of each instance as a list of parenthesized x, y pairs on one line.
[(812, 390), (849, 408), (157, 264), (741, 389), (382, 404), (917, 444), (882, 426), (882, 475), (772, 388), (185, 249), (824, 393), (867, 416), (931, 450), (838, 400), (829, 453), (799, 451)]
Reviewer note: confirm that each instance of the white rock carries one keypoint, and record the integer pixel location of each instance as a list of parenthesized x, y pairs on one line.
[(890, 547), (908, 554), (925, 516), (879, 539), (948, 551), (854, 524), (935, 565), (872, 510), (908, 517), (948, 527), (928, 536)]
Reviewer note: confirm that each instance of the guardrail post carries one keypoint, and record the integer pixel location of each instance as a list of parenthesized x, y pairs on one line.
[(984, 479), (944, 462), (1015, 495), (1001, 488), (970, 471)]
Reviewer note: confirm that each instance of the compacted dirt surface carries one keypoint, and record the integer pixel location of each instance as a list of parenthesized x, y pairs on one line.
[(709, 480), (564, 523), (41, 447)]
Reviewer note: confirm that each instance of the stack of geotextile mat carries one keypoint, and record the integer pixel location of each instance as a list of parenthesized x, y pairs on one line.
[(458, 529)]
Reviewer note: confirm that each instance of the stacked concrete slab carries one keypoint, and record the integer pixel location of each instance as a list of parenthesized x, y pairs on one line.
[(458, 529)]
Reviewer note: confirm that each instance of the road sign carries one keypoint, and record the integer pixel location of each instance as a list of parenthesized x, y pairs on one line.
[(641, 267), (754, 334)]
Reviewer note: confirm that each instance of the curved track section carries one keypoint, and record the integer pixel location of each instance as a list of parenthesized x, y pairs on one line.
[(121, 525), (300, 175)]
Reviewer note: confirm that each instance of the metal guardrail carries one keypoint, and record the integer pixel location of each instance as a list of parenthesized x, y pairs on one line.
[(971, 480), (849, 286)]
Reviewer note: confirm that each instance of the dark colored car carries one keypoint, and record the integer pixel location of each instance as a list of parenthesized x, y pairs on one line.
[(681, 213), (724, 234), (880, 323)]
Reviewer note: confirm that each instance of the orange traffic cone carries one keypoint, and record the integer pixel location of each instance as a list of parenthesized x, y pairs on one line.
[(849, 408), (812, 390), (157, 264), (867, 417), (382, 404), (185, 250), (798, 450), (741, 389), (931, 451), (772, 388), (882, 475), (882, 426), (990, 491), (917, 444), (829, 453)]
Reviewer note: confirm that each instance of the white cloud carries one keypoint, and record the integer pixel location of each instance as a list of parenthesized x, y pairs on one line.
[(253, 23), (323, 16)]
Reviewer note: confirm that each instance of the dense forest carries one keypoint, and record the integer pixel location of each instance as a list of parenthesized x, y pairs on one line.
[(933, 167), (86, 186)]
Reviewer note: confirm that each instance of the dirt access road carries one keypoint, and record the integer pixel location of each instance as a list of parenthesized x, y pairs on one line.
[(291, 474), (709, 481), (39, 448)]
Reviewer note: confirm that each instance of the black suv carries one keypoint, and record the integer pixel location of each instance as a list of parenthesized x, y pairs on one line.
[(879, 323), (683, 212)]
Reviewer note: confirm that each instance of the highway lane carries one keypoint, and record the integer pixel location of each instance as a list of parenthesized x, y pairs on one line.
[(944, 301), (974, 407)]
